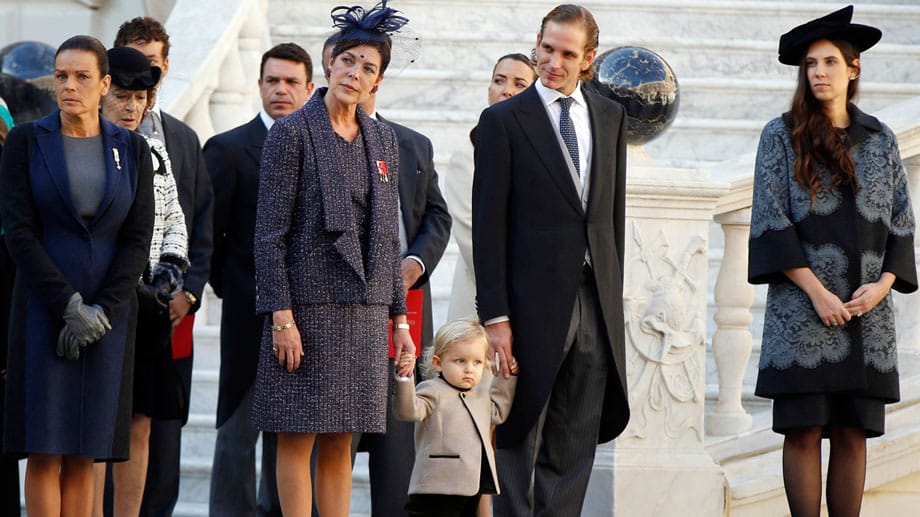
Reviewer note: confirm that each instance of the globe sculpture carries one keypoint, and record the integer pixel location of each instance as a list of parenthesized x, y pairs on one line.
[(27, 59), (644, 84), (26, 101)]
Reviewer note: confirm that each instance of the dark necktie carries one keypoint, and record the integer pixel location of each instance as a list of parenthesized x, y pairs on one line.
[(567, 130)]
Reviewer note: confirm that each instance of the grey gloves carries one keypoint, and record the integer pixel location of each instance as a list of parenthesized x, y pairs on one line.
[(85, 324), (67, 346)]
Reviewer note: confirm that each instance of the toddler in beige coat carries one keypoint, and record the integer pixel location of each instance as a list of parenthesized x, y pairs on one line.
[(454, 461)]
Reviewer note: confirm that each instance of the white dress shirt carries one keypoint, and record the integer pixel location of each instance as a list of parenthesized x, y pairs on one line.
[(580, 119)]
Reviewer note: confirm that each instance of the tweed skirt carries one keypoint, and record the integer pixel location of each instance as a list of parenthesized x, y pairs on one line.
[(341, 385)]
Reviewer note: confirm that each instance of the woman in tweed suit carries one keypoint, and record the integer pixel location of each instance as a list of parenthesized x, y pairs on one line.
[(328, 271)]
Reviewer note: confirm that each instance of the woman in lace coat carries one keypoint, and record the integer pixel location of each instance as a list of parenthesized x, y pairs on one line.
[(831, 233)]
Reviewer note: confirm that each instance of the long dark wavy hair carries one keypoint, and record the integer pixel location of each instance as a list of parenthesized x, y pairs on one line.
[(817, 144)]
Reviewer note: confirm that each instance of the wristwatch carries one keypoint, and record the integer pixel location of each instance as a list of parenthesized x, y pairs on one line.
[(190, 298)]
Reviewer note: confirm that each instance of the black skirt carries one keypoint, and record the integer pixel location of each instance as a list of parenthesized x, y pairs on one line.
[(828, 410), (158, 391)]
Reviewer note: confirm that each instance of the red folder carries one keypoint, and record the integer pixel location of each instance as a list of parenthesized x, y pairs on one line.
[(414, 303), (182, 338)]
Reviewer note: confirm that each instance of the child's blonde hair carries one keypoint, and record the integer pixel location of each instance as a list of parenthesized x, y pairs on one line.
[(453, 332)]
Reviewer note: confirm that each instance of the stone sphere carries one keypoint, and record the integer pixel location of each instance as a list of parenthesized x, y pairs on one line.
[(27, 59), (26, 101), (644, 84)]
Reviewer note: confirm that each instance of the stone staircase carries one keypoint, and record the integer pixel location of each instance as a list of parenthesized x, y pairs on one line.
[(723, 53)]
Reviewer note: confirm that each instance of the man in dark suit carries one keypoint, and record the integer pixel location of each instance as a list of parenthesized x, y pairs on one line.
[(196, 198), (424, 232), (233, 157), (548, 223)]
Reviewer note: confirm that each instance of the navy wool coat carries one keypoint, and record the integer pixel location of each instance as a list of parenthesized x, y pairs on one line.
[(54, 405)]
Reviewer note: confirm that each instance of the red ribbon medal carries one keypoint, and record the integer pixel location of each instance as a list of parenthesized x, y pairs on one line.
[(382, 171)]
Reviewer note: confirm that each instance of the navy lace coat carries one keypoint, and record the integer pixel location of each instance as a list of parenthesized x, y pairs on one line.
[(848, 239)]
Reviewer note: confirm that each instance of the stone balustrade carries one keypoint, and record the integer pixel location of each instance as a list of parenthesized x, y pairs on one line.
[(211, 86)]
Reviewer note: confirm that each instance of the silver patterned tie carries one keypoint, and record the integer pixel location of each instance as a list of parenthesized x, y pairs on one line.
[(567, 130)]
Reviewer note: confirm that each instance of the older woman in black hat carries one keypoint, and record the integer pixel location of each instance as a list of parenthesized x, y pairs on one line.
[(328, 270), (129, 96), (831, 233)]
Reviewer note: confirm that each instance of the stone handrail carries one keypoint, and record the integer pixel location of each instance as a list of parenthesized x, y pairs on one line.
[(732, 342), (216, 47), (215, 50)]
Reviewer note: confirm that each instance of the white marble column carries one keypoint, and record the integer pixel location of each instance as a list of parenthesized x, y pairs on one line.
[(661, 468), (907, 306), (732, 342)]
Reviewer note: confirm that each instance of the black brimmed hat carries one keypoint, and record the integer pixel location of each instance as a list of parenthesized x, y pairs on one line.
[(794, 44), (130, 69)]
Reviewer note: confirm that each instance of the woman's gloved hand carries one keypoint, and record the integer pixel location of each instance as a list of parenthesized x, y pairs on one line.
[(68, 346), (87, 323)]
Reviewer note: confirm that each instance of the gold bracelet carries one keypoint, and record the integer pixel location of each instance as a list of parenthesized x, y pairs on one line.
[(279, 328), (404, 326)]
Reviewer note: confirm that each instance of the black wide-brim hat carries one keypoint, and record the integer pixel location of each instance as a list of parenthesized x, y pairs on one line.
[(130, 69), (794, 44)]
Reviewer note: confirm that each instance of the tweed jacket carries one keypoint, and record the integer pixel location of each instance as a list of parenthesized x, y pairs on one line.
[(451, 431), (307, 248), (170, 236)]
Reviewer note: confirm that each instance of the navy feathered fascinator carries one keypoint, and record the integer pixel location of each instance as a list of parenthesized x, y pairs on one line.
[(356, 23)]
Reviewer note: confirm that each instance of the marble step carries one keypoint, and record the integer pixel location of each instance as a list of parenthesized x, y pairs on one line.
[(731, 55), (196, 461), (653, 18), (753, 460), (705, 97)]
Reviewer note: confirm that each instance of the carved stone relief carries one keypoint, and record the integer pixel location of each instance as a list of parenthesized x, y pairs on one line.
[(665, 335)]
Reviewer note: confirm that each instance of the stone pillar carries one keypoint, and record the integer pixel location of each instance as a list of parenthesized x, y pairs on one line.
[(229, 105), (732, 342), (661, 468), (907, 306)]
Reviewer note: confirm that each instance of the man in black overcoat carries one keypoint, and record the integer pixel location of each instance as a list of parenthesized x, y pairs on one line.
[(233, 157), (548, 235)]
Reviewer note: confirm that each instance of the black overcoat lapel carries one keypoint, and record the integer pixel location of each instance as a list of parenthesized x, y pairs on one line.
[(256, 134), (602, 152), (538, 129)]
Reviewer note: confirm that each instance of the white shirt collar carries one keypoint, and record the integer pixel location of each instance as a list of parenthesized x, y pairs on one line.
[(549, 96), (266, 119)]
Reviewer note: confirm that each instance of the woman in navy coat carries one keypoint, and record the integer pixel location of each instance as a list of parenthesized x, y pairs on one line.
[(77, 205)]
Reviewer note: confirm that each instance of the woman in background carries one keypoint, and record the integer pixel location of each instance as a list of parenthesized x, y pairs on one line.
[(512, 74), (832, 232), (129, 96)]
